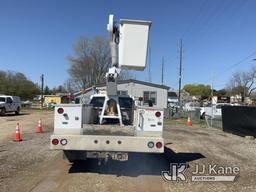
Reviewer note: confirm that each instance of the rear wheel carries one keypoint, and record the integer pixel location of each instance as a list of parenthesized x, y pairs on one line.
[(18, 111), (3, 111)]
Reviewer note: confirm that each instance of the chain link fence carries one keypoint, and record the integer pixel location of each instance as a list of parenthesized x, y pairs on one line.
[(177, 113), (214, 122)]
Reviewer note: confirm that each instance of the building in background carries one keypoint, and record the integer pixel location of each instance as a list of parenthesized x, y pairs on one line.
[(52, 99), (58, 98), (158, 94)]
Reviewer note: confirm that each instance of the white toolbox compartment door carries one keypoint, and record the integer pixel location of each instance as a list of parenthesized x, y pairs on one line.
[(70, 121), (148, 121)]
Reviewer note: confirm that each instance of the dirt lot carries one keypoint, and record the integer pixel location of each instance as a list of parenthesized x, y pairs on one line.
[(28, 121), (31, 166)]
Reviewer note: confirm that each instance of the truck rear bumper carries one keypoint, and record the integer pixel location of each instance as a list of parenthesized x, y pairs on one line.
[(108, 143)]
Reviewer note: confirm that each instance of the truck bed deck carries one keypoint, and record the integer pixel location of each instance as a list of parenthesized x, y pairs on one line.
[(95, 129)]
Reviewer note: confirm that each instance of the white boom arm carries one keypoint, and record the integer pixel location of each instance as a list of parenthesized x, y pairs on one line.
[(114, 71), (112, 74), (132, 53)]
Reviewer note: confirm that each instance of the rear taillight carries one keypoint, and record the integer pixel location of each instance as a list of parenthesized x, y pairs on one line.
[(158, 114), (55, 141), (159, 145), (150, 144), (60, 110)]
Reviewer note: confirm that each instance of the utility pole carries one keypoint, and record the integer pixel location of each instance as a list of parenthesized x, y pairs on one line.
[(149, 66), (42, 90), (212, 95), (180, 68), (212, 84), (162, 70)]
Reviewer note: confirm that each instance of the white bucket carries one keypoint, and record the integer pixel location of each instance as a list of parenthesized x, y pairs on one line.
[(133, 44)]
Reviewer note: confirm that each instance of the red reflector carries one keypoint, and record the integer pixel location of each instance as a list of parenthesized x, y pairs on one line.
[(55, 141), (158, 114), (60, 110), (159, 145)]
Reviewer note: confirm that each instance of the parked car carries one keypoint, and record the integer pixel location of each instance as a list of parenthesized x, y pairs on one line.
[(191, 106), (10, 104), (175, 105)]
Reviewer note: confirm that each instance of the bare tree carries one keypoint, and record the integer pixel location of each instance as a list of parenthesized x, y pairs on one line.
[(69, 86), (243, 83), (90, 63)]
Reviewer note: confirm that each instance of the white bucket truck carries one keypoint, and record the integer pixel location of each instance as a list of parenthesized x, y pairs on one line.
[(112, 126)]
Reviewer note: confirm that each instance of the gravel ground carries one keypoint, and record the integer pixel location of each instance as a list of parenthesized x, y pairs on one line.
[(28, 120), (30, 165)]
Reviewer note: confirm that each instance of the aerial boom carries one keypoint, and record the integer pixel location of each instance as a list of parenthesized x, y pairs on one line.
[(130, 54)]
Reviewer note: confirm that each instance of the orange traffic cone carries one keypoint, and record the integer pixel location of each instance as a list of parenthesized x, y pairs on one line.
[(17, 133), (39, 127), (189, 123)]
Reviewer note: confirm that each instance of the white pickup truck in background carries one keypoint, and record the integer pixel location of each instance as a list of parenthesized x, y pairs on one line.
[(9, 104)]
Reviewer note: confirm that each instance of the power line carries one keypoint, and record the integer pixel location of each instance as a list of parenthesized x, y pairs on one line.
[(235, 64), (241, 61), (210, 26), (209, 22), (195, 19)]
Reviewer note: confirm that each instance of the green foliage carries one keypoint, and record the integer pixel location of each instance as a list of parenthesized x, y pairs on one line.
[(47, 90), (221, 92), (198, 89), (15, 83), (59, 89)]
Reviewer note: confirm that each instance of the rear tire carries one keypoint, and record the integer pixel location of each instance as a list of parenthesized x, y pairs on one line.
[(18, 111), (3, 111)]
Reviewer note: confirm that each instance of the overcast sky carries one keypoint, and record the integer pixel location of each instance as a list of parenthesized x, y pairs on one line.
[(219, 36)]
